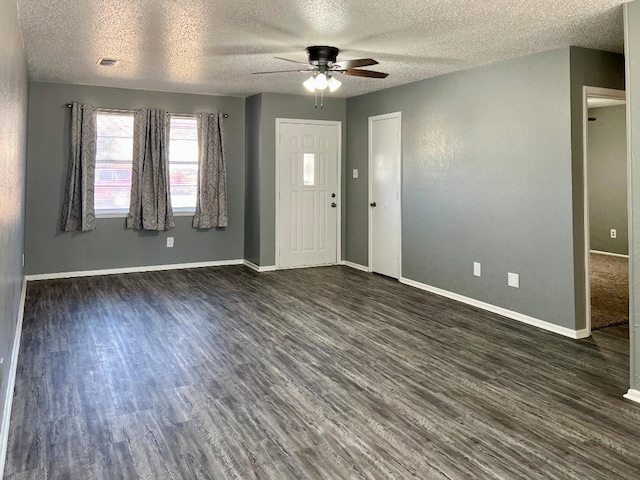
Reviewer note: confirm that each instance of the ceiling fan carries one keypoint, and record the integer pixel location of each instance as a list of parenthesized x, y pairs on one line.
[(322, 64)]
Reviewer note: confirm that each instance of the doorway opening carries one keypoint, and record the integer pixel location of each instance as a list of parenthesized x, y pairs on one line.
[(606, 208)]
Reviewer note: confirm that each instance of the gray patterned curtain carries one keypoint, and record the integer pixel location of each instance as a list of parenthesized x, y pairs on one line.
[(150, 207), (77, 208), (211, 206)]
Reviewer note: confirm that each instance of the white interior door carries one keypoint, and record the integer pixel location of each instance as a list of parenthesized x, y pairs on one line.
[(308, 194), (384, 194)]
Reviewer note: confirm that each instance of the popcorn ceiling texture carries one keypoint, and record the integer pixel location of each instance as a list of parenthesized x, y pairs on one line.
[(201, 46)]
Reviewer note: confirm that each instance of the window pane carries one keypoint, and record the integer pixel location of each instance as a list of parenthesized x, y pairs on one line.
[(309, 168), (183, 162), (114, 153)]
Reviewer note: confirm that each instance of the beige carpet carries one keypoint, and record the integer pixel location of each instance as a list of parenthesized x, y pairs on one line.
[(609, 291)]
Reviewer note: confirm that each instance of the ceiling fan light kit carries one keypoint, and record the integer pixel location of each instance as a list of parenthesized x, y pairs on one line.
[(323, 64), (320, 81), (334, 84), (310, 84)]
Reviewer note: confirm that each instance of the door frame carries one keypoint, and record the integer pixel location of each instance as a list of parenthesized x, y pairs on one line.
[(372, 119), (591, 92), (299, 121)]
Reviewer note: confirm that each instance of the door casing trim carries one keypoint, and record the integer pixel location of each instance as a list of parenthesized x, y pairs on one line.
[(602, 93), (298, 121)]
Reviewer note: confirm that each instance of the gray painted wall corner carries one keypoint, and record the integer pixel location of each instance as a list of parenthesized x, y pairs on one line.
[(14, 91), (486, 177), (607, 179), (356, 192), (253, 137), (286, 106), (48, 250)]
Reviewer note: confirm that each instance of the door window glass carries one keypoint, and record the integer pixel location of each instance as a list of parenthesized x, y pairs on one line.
[(309, 168)]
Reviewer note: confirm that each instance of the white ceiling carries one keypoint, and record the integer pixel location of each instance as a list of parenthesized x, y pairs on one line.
[(212, 46)]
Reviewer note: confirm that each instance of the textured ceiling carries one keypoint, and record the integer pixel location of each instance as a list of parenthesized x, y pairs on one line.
[(212, 46)]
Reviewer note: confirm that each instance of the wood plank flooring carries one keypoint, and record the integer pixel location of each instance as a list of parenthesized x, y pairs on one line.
[(328, 373)]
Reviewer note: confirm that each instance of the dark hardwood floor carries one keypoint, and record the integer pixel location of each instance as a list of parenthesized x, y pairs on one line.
[(328, 373)]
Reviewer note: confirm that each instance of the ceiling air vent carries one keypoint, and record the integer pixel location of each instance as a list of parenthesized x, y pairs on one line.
[(107, 62)]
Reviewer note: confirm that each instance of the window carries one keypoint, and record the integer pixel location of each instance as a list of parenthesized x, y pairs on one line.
[(183, 163), (114, 153), (309, 170), (114, 156)]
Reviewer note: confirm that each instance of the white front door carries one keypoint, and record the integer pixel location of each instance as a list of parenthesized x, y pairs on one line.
[(384, 194), (308, 194)]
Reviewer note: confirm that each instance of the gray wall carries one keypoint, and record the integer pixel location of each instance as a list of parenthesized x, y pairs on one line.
[(632, 49), (286, 106), (48, 250), (252, 193), (486, 177), (591, 68), (13, 129), (607, 170)]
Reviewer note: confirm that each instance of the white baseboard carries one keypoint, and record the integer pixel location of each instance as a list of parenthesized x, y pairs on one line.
[(633, 395), (117, 271), (567, 332), (609, 254), (11, 381), (356, 266), (258, 268)]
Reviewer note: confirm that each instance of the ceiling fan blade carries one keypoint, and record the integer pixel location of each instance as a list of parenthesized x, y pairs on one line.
[(363, 73), (279, 71), (292, 61), (360, 62)]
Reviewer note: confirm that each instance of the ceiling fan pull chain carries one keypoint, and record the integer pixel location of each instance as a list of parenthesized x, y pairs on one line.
[(321, 98), (316, 92)]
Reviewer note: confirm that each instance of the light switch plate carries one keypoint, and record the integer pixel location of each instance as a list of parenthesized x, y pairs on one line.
[(355, 173), (169, 242), (513, 280), (477, 269)]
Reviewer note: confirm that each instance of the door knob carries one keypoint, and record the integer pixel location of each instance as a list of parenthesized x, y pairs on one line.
[(333, 204), (372, 204)]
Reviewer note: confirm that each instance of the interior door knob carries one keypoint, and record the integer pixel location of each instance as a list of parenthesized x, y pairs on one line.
[(372, 204), (333, 204)]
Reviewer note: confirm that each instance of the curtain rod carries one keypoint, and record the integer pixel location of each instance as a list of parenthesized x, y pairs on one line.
[(116, 110)]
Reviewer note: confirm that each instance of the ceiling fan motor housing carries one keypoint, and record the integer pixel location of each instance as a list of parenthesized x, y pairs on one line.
[(322, 56)]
